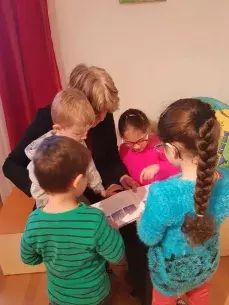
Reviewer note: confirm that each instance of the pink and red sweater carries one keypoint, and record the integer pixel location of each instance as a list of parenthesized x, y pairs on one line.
[(135, 162)]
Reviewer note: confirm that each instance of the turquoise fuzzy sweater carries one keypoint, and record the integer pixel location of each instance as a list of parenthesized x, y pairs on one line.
[(175, 266)]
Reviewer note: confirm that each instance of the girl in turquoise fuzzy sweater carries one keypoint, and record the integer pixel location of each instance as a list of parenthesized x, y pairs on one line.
[(183, 214)]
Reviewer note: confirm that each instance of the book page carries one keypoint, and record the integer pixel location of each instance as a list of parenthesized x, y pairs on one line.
[(124, 207)]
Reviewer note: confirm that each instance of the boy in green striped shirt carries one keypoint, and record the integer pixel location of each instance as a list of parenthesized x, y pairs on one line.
[(74, 241)]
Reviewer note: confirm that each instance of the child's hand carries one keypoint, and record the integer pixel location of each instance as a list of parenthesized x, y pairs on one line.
[(112, 223), (112, 190), (139, 217), (129, 183), (120, 269), (149, 172)]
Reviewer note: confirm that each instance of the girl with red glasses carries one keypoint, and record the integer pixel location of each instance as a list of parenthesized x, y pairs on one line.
[(141, 151)]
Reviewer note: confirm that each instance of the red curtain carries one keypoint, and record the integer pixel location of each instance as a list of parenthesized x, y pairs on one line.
[(29, 77)]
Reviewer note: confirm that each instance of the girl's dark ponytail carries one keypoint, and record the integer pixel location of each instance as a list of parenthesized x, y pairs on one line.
[(193, 124)]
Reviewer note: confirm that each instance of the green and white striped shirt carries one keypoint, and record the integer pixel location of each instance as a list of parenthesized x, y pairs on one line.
[(74, 247)]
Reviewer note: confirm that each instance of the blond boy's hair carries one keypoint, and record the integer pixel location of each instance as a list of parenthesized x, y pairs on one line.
[(71, 107), (98, 87)]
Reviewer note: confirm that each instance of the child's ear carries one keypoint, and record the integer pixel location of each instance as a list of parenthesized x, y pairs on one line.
[(77, 181), (56, 127), (173, 151)]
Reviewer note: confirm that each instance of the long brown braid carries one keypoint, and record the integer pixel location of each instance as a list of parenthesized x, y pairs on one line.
[(192, 124)]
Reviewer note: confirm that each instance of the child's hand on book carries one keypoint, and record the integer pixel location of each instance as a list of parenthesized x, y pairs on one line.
[(111, 190), (149, 172), (129, 183)]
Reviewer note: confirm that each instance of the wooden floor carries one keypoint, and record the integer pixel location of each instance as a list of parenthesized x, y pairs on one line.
[(31, 289)]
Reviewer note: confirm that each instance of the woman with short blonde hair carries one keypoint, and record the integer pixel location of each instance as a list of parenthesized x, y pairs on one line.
[(100, 90), (97, 85)]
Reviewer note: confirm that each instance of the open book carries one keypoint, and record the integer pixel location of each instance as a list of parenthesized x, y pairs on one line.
[(124, 207)]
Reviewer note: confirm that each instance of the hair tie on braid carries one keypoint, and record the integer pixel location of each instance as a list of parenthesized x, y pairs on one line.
[(200, 216), (202, 117)]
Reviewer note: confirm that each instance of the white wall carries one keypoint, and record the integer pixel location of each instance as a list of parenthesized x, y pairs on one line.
[(156, 52)]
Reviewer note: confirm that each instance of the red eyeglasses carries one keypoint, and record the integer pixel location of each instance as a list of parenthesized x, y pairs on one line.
[(138, 142)]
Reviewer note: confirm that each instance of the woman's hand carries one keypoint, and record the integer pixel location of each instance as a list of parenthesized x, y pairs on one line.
[(129, 183), (111, 190), (149, 172)]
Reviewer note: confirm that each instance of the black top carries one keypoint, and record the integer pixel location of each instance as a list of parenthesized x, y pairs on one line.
[(101, 141)]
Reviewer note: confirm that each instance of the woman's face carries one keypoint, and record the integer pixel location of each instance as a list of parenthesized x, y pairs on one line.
[(136, 139)]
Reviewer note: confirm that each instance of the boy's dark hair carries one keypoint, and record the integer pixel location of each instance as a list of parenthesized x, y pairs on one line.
[(193, 124), (58, 161), (134, 118)]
